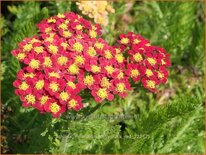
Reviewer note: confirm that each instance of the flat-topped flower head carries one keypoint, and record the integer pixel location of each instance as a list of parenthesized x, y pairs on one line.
[(98, 10), (145, 60), (69, 58)]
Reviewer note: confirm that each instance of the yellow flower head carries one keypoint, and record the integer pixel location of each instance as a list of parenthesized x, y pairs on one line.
[(98, 10)]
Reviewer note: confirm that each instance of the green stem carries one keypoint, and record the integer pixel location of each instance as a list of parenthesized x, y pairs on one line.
[(31, 122)]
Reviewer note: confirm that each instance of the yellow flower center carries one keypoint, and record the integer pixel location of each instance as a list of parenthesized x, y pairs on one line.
[(62, 60), (149, 73), (63, 26), (95, 69), (67, 34), (120, 75), (54, 74), (54, 86), (151, 61), (88, 80), (48, 29), (34, 40), (64, 45), (99, 45), (163, 62), (92, 34), (136, 41), (66, 21), (71, 84), (72, 103), (43, 99), (34, 64), (78, 47), (120, 87), (47, 62), (31, 75), (134, 73), (91, 51), (51, 20), (124, 40), (30, 98), (59, 15), (105, 82), (27, 47), (79, 59), (109, 69), (119, 58), (79, 36), (102, 93), (73, 69), (137, 57), (20, 56), (150, 84), (39, 84), (64, 96), (117, 50), (38, 49), (49, 39), (160, 75), (53, 49), (108, 54), (79, 27), (24, 86), (54, 107)]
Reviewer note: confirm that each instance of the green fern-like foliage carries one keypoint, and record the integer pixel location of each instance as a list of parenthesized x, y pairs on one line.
[(86, 137), (172, 128), (177, 127)]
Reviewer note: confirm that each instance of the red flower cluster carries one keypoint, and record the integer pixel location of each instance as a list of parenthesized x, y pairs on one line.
[(68, 57), (146, 63)]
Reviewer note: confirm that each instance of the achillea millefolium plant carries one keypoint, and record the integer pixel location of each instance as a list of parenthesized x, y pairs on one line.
[(69, 57)]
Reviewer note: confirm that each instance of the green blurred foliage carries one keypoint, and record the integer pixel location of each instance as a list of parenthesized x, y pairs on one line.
[(171, 121)]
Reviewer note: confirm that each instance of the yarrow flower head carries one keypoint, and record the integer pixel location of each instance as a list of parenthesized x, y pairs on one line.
[(69, 58), (146, 64), (98, 10)]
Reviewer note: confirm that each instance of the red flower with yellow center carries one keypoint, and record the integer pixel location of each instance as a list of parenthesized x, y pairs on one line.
[(46, 61), (73, 69), (64, 97), (75, 103), (53, 107), (121, 87), (149, 84), (54, 86), (135, 71), (102, 93), (91, 52), (53, 49), (28, 100), (88, 80)]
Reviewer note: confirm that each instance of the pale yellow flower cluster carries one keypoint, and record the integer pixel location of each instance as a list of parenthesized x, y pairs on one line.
[(98, 10)]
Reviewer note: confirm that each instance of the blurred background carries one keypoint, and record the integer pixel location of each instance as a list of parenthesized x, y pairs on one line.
[(171, 121)]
